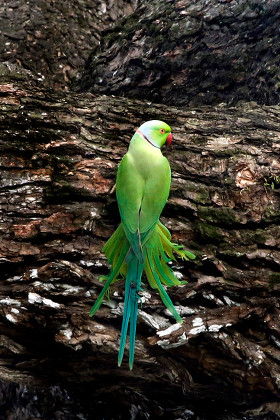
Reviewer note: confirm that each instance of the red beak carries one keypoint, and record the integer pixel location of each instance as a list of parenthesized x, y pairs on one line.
[(169, 139)]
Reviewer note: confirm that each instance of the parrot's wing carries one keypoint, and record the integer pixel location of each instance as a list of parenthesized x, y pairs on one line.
[(141, 198), (129, 189), (155, 195)]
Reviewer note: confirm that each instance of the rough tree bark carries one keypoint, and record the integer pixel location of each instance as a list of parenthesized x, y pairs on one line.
[(59, 156), (53, 39), (191, 52)]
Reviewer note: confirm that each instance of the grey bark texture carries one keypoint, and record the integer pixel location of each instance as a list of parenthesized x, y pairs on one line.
[(191, 53), (59, 156), (53, 39)]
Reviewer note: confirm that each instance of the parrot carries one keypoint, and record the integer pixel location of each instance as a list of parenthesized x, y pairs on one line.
[(142, 244)]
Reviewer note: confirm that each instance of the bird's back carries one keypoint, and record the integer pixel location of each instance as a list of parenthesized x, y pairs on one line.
[(143, 184)]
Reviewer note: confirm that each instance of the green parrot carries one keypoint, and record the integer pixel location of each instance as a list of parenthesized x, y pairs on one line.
[(142, 242)]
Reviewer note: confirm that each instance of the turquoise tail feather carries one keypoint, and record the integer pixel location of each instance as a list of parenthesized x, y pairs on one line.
[(132, 287), (134, 314)]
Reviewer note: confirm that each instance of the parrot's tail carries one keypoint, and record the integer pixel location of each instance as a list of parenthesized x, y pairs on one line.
[(158, 250), (132, 287), (115, 250)]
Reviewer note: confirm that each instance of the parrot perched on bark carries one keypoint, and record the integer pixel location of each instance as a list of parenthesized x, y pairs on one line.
[(142, 243)]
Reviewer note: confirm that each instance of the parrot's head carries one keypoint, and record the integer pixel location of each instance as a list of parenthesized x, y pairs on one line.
[(156, 132)]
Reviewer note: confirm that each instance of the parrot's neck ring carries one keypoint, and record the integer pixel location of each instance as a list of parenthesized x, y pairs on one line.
[(146, 138)]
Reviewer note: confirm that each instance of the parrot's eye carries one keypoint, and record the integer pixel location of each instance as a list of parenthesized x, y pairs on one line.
[(162, 130)]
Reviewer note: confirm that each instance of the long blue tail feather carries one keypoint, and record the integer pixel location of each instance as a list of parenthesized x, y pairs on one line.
[(132, 287), (134, 313), (125, 322)]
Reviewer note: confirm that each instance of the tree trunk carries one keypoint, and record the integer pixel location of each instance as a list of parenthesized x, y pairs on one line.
[(59, 156)]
